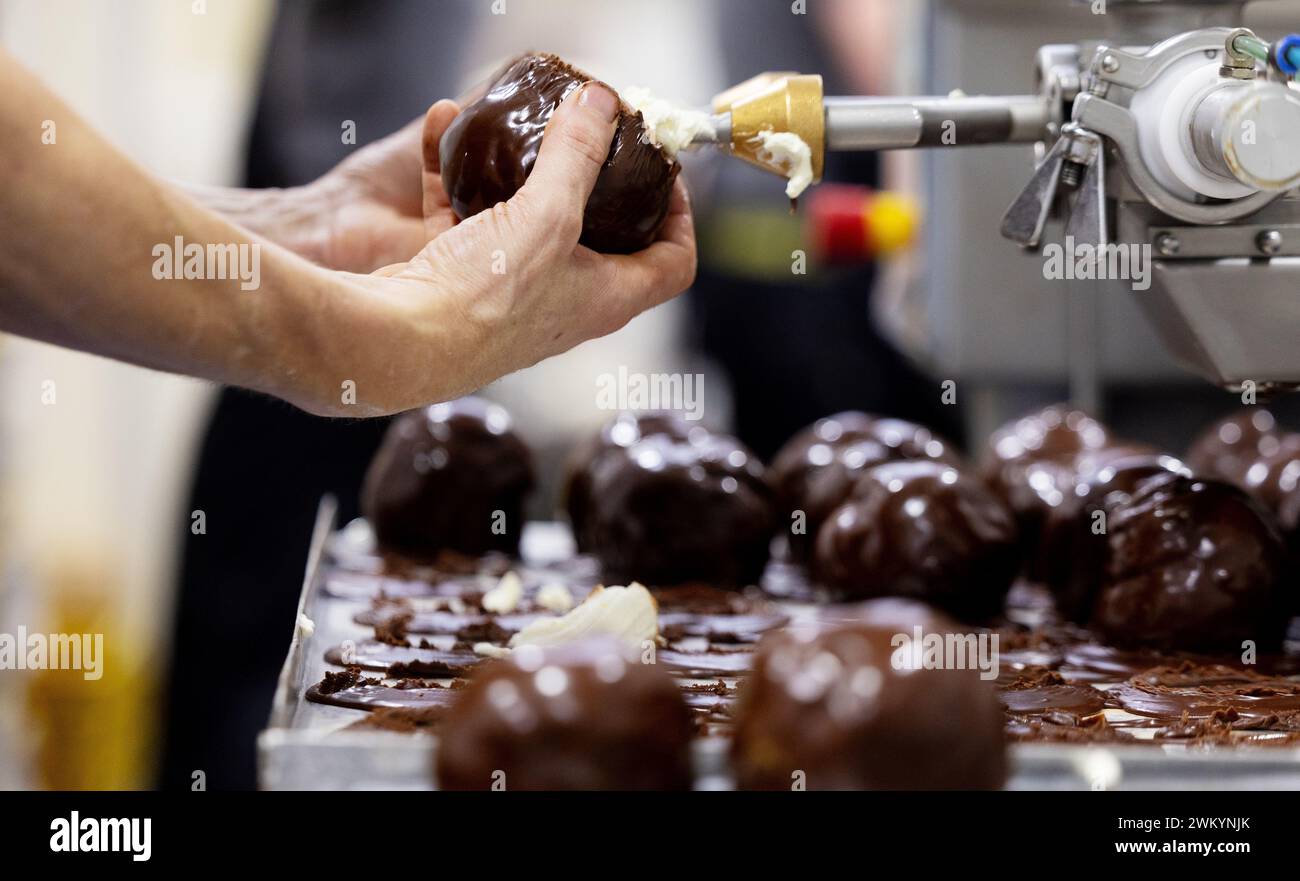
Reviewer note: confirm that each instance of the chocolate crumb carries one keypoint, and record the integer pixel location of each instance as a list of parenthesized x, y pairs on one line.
[(403, 720), (349, 678), (392, 630)]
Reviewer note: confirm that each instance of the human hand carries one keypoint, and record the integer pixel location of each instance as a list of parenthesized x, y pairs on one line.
[(493, 294), (367, 211), (510, 286)]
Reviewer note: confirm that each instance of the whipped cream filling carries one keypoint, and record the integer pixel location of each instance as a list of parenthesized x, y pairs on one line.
[(791, 154), (667, 126)]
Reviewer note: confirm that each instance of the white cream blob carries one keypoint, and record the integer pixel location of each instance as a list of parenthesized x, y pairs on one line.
[(555, 597), (627, 613), (630, 614), (673, 129), (667, 126), (504, 598), (790, 153)]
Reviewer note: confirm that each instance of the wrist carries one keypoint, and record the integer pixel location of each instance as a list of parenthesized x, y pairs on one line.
[(285, 326), (405, 346), (341, 345)]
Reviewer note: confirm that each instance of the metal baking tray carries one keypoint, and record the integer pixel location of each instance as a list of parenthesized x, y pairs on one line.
[(304, 746)]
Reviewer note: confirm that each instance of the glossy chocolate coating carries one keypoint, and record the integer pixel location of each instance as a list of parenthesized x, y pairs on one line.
[(1189, 564), (1288, 517), (817, 469), (813, 449), (1044, 561), (1276, 473), (1288, 520), (669, 510), (489, 150), (827, 703), (1200, 691), (922, 530), (1071, 551), (1274, 481), (1061, 488), (1032, 462), (908, 440), (1227, 449), (619, 433), (585, 716), (440, 475)]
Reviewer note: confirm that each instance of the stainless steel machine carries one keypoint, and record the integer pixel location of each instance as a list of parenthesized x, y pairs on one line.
[(1165, 167)]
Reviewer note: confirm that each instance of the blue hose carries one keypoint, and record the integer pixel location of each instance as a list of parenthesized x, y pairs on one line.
[(1286, 51)]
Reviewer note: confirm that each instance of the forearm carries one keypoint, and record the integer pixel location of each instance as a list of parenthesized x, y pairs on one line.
[(87, 260)]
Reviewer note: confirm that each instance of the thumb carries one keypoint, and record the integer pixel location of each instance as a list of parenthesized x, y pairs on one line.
[(574, 149), (436, 205), (436, 122)]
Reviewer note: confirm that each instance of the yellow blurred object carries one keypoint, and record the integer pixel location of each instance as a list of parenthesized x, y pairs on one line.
[(894, 219), (92, 733)]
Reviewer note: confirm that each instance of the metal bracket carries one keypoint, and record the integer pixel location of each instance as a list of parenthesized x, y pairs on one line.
[(1215, 242)]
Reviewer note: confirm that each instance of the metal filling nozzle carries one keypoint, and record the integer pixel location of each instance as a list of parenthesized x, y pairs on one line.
[(783, 101)]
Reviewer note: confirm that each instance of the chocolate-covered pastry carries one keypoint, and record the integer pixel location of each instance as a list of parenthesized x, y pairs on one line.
[(489, 150), (827, 707), (450, 477), (1188, 564), (1288, 520), (585, 716), (1288, 517), (1276, 473), (1093, 466), (816, 470), (922, 530), (669, 510), (908, 440), (814, 448), (1227, 449), (619, 433), (1033, 462), (1062, 491), (1274, 481), (1073, 547)]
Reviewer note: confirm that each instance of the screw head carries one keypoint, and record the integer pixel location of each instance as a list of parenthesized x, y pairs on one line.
[(1109, 63), (1269, 241), (1167, 244)]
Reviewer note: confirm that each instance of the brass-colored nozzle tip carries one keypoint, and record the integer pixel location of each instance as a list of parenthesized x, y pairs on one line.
[(776, 101)]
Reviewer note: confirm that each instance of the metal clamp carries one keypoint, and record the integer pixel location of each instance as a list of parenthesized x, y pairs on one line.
[(1078, 160)]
